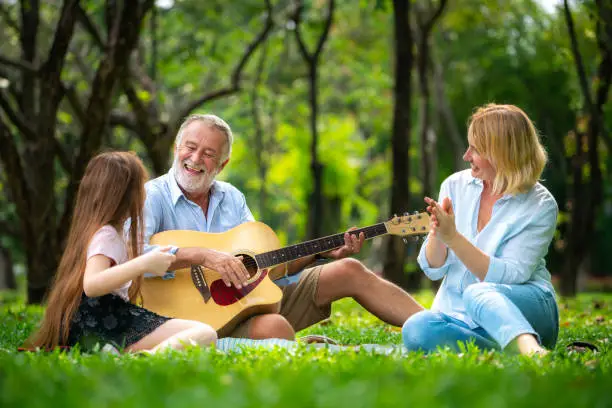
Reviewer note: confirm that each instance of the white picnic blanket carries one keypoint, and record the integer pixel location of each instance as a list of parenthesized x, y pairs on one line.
[(227, 344)]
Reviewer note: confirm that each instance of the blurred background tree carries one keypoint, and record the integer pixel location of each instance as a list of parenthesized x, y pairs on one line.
[(344, 112)]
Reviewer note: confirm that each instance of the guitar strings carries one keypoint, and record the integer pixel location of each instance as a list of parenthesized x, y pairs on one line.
[(313, 246), (308, 246), (317, 246)]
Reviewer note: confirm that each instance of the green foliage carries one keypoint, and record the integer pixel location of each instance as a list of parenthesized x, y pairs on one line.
[(506, 51), (315, 378)]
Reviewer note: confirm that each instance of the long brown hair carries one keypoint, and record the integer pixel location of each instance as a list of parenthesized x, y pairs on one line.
[(111, 191)]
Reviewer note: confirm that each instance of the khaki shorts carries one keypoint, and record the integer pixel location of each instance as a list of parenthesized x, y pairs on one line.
[(298, 305)]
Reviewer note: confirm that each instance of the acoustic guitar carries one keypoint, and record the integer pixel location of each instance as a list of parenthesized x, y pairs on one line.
[(198, 293)]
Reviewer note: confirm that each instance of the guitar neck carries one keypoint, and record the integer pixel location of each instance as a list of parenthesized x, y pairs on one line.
[(315, 246)]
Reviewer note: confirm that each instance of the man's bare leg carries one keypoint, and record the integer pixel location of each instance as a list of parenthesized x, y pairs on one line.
[(350, 278), (270, 326)]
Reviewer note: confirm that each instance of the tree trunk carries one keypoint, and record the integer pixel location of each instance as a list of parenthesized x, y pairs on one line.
[(260, 142), (427, 145), (575, 245), (7, 275), (425, 18), (400, 139), (41, 235), (446, 116), (315, 203), (125, 33), (587, 192), (154, 46), (27, 36)]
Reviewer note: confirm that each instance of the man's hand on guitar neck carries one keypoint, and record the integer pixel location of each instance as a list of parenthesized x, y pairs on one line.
[(352, 245), (230, 268)]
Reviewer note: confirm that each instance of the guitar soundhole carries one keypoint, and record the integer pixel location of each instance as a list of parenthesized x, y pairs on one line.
[(250, 264)]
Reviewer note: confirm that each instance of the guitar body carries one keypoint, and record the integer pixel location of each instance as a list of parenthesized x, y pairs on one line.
[(180, 297)]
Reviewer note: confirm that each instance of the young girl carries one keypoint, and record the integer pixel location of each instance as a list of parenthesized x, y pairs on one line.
[(89, 301)]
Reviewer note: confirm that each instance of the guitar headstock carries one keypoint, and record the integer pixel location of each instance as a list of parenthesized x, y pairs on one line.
[(408, 224)]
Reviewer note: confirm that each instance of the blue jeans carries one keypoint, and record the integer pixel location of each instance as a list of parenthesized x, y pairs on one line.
[(502, 312)]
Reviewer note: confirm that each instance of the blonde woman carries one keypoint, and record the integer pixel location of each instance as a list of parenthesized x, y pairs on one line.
[(490, 230)]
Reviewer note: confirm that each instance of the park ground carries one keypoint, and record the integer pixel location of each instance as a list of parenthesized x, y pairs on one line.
[(307, 377)]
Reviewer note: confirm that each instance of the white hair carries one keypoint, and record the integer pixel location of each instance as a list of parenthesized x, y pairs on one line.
[(213, 121)]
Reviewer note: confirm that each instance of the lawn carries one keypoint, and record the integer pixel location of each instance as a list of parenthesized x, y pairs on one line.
[(314, 378)]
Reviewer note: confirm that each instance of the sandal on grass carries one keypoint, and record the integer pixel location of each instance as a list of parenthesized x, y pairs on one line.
[(581, 347), (317, 338)]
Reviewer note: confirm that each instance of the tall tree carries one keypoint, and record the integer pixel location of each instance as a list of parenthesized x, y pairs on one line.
[(587, 185), (446, 115), (426, 15), (262, 144), (400, 140), (29, 143), (313, 60)]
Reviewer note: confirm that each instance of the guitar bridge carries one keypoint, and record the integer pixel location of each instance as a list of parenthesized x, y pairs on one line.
[(197, 276)]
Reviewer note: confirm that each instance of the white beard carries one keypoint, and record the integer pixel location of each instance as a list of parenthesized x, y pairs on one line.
[(193, 184)]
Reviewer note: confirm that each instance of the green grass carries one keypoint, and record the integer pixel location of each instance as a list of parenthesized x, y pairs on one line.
[(314, 378)]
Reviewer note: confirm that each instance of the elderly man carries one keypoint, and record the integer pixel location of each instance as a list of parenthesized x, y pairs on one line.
[(189, 198)]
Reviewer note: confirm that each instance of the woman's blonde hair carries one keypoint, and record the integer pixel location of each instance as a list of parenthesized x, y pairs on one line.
[(111, 191), (504, 135)]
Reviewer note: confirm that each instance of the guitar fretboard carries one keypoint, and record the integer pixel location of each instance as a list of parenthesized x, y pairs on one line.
[(315, 246)]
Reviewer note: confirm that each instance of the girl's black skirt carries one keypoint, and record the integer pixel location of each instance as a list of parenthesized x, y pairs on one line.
[(109, 319)]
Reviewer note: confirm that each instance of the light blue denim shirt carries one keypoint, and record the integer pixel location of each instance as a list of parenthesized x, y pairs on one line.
[(516, 239), (167, 208)]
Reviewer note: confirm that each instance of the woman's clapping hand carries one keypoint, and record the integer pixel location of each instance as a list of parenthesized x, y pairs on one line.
[(442, 221)]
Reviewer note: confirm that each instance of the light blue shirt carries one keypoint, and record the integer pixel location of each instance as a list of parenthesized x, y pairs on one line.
[(167, 208), (516, 238)]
